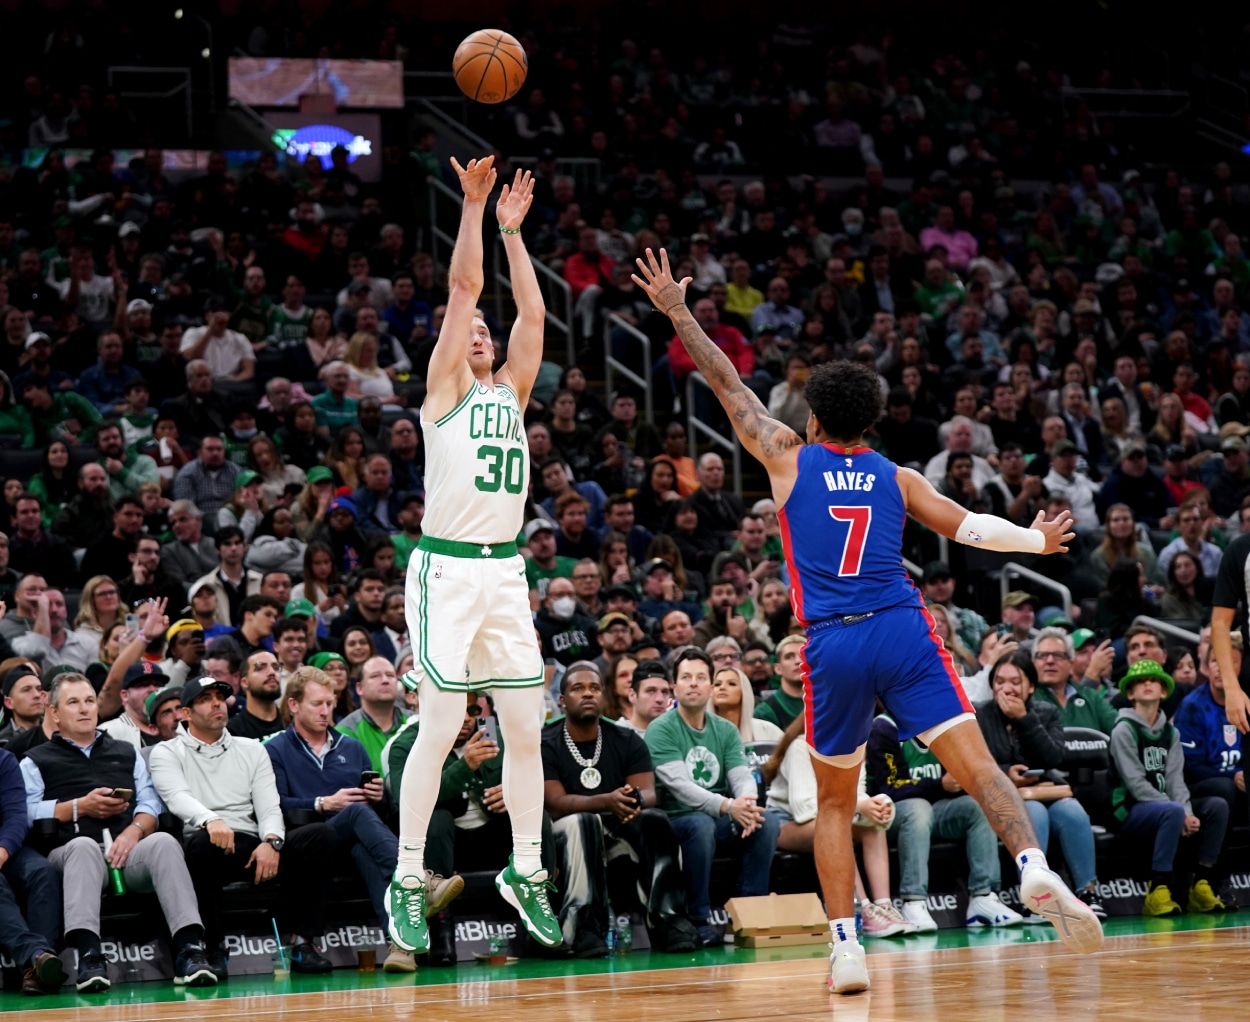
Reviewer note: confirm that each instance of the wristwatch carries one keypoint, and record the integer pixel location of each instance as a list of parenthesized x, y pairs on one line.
[(275, 843)]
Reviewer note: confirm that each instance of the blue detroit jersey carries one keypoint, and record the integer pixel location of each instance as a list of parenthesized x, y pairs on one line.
[(842, 529)]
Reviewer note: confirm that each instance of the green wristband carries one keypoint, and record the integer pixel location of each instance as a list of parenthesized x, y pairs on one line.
[(505, 230)]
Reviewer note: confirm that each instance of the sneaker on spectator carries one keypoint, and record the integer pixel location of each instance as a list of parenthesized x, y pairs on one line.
[(440, 892), (219, 962), (307, 957), (1203, 899), (678, 937), (916, 914), (848, 971), (93, 973), (989, 910), (709, 935), (399, 960), (1089, 896), (1159, 902), (192, 968), (588, 944), (883, 921), (1043, 891)]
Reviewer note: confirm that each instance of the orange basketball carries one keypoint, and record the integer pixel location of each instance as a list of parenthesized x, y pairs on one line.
[(490, 66)]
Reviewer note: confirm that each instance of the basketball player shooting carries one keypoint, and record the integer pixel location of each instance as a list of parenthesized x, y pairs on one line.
[(869, 636), (467, 600)]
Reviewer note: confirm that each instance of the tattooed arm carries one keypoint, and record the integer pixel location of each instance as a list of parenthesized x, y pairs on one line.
[(773, 443)]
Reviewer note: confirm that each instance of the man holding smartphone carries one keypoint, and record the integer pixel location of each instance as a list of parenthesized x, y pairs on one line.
[(599, 788)]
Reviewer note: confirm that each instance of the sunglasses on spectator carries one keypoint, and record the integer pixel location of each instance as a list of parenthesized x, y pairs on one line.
[(725, 658), (1050, 656), (756, 660)]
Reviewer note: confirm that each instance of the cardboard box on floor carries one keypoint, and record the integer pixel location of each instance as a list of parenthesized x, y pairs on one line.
[(778, 920)]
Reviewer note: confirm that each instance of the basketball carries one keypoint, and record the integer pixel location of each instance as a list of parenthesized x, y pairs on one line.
[(490, 66)]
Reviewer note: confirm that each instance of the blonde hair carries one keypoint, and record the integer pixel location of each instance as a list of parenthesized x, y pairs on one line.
[(789, 640), (354, 345), (1235, 640), (298, 684), (746, 713), (953, 643), (86, 603)]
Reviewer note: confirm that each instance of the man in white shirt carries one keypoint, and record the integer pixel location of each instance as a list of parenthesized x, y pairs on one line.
[(707, 268), (227, 352), (1063, 480), (85, 291), (959, 441), (48, 641)]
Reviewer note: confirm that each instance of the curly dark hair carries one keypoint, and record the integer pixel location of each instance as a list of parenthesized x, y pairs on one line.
[(845, 397)]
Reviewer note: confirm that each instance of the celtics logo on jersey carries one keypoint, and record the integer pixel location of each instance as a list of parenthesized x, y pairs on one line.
[(704, 767)]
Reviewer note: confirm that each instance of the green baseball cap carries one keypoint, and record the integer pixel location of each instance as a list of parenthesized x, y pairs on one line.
[(319, 474), (1081, 636), (300, 608), (320, 660), (1147, 669), (245, 478), (164, 695)]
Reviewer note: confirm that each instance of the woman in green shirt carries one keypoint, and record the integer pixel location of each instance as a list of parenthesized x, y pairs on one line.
[(56, 484)]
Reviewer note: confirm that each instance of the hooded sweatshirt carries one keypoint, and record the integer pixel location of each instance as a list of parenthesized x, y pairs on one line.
[(230, 780), (1135, 779)]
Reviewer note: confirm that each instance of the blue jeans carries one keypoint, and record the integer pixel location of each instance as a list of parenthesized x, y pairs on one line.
[(374, 850), (1071, 823), (700, 836), (31, 879), (916, 820), (1164, 821)]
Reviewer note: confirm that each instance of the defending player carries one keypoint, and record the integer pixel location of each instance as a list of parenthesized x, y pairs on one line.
[(869, 635), (467, 600)]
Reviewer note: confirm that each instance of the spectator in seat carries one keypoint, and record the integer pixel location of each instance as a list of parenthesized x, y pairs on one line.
[(707, 787), (377, 501), (781, 705), (71, 779), (58, 415), (110, 554), (599, 788), (88, 515), (366, 606), (126, 469), (379, 716), (720, 510), (727, 338), (566, 634), (1063, 480), (1213, 767), (33, 548), (184, 652), (229, 355), (328, 783), (201, 411), (147, 580), (24, 702), (1025, 735), (104, 384), (49, 642), (1190, 525), (190, 555), (470, 828), (588, 272), (652, 696), (929, 802), (260, 684), (1151, 800), (30, 890), (223, 790), (258, 614), (209, 480), (1122, 542), (1134, 483), (231, 581), (132, 725), (575, 539)]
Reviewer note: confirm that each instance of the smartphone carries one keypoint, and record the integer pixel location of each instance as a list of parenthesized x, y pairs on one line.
[(126, 793), (1034, 773), (132, 622), (491, 726), (368, 777)]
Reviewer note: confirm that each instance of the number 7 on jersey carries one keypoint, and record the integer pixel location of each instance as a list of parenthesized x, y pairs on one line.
[(859, 520)]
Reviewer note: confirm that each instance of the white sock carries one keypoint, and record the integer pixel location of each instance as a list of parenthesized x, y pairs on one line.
[(411, 861), (527, 853), (1031, 858), (843, 931), (883, 902)]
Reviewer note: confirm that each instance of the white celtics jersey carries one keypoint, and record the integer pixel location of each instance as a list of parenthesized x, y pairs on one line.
[(477, 467)]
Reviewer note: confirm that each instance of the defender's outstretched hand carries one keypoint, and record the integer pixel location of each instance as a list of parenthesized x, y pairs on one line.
[(477, 180), (515, 201), (1056, 533), (657, 280)]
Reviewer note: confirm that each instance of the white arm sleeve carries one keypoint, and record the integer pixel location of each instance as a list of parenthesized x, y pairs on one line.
[(993, 533)]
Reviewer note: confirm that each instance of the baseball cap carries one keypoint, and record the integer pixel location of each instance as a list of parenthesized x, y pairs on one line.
[(144, 673), (138, 305), (245, 478), (649, 669), (1081, 636), (319, 474), (1147, 669), (344, 504), (699, 238), (357, 286), (1175, 452), (125, 231), (160, 698), (320, 660), (655, 563), (16, 674), (1061, 447), (299, 608), (935, 570), (1132, 447), (1084, 307), (34, 337), (195, 688), (1233, 443), (614, 618), (1233, 429), (1017, 598), (185, 624), (537, 525), (627, 592), (1054, 618)]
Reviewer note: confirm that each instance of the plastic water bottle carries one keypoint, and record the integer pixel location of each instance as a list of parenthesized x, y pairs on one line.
[(859, 921), (496, 945), (611, 936), (624, 939)]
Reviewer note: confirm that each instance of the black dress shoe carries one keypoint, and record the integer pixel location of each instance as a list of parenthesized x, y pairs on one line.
[(442, 939)]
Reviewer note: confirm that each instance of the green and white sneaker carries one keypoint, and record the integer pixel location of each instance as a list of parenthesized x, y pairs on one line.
[(405, 907), (528, 895)]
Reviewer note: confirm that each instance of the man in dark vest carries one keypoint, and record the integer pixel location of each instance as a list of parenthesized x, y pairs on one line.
[(99, 794)]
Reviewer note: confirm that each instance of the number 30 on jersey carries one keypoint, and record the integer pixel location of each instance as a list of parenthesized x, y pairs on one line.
[(501, 470), (858, 520)]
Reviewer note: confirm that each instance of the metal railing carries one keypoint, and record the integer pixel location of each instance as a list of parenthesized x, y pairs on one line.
[(445, 119), (696, 428), (556, 291), (118, 73), (258, 120), (1012, 570), (1168, 628), (611, 365), (913, 569), (1130, 103)]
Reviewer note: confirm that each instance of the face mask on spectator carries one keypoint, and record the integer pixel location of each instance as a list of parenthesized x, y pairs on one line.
[(562, 608)]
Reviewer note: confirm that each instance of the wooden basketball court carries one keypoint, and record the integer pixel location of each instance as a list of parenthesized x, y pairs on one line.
[(999, 976)]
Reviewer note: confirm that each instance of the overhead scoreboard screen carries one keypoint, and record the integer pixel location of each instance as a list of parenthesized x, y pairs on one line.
[(280, 82)]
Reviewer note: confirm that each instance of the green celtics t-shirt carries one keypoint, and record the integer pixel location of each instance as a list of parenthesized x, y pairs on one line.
[(537, 578), (921, 763), (709, 754), (404, 546)]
